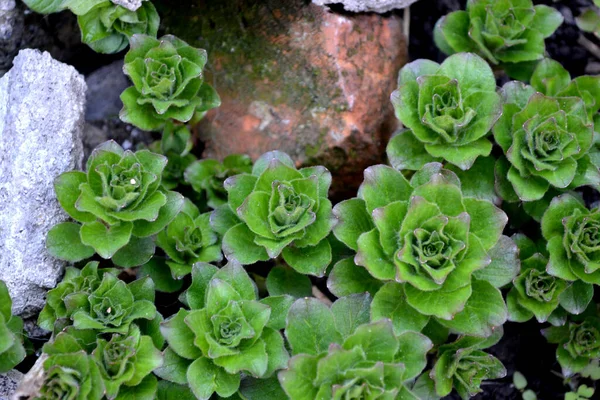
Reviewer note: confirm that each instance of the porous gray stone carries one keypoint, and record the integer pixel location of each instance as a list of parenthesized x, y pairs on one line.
[(8, 383), (378, 6), (42, 105), (131, 5)]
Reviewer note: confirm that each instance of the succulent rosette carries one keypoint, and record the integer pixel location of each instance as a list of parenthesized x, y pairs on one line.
[(227, 333), (463, 365), (578, 344), (449, 110), (534, 292), (573, 235), (547, 134), (207, 176), (426, 234), (501, 31), (189, 239), (114, 305), (12, 351), (278, 210), (69, 294), (120, 204), (168, 82), (69, 371), (341, 358), (107, 27), (126, 360)]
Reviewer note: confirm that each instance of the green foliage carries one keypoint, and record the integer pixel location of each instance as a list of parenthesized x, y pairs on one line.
[(463, 365), (589, 20), (97, 300), (168, 82), (425, 234), (504, 32), (105, 26), (535, 292), (207, 176), (547, 135), (189, 239), (12, 351), (572, 234), (175, 144), (278, 210), (126, 360), (69, 372), (583, 392), (578, 344), (449, 110), (227, 333), (338, 354), (119, 203)]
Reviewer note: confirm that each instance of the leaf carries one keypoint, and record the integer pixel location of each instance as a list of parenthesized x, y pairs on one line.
[(137, 252), (283, 280), (280, 306), (505, 263), (348, 278), (412, 352), (174, 368), (202, 273), (405, 151), (310, 327), (312, 260), (352, 221), (238, 244), (262, 389), (383, 185), (350, 312), (390, 302), (519, 381), (179, 336), (172, 391), (158, 270), (484, 311), (174, 204), (67, 191), (46, 6), (576, 297), (146, 390), (205, 378), (64, 242), (106, 240), (376, 340)]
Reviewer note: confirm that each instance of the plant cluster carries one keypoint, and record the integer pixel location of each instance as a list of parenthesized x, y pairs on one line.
[(475, 222)]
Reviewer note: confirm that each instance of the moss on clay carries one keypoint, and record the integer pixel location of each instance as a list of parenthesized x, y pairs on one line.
[(249, 46)]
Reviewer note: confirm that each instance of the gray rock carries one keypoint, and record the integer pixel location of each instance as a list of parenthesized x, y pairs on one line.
[(105, 86), (378, 6), (42, 103), (8, 383), (129, 4), (8, 15)]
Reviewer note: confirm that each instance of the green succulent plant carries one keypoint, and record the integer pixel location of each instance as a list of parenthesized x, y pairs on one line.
[(277, 210), (12, 351), (97, 300), (175, 144), (70, 372), (573, 235), (547, 134), (340, 358), (189, 239), (463, 365), (578, 344), (445, 248), (105, 27), (168, 83), (504, 32), (126, 360), (207, 176), (118, 205), (534, 292), (589, 19), (449, 110), (227, 334)]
